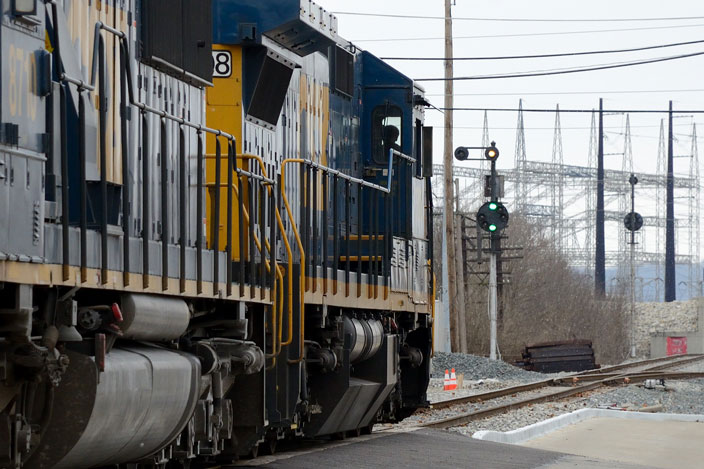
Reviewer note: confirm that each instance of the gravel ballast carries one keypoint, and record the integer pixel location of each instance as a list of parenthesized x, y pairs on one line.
[(479, 375), (482, 375), (677, 397), (475, 368)]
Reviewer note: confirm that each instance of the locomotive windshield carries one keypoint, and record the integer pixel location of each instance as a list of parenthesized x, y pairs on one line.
[(386, 131)]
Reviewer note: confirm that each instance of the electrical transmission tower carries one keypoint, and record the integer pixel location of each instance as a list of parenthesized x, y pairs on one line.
[(562, 197)]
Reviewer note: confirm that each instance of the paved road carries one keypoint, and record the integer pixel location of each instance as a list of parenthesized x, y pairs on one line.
[(426, 448)]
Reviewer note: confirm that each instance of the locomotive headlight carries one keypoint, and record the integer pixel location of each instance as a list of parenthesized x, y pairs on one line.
[(24, 7)]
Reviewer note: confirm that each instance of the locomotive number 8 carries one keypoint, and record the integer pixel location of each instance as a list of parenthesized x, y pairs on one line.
[(222, 64)]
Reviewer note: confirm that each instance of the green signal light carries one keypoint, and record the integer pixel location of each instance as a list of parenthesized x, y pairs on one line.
[(493, 206), (492, 228)]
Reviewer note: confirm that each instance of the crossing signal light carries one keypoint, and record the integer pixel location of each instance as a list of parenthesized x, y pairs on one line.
[(492, 217)]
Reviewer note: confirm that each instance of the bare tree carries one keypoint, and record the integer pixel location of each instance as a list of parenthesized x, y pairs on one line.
[(544, 299)]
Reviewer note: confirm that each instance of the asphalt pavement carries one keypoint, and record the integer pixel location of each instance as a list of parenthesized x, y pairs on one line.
[(425, 448)]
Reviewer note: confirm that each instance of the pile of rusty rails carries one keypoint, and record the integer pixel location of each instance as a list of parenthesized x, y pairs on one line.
[(566, 386), (552, 357)]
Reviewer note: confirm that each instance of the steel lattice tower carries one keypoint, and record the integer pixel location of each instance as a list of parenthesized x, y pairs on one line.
[(564, 196), (558, 181)]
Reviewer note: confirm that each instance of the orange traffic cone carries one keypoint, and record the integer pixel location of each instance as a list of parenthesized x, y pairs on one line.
[(453, 379), (447, 381)]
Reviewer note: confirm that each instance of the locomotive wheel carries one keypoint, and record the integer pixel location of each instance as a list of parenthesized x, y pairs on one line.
[(254, 452), (368, 429), (269, 447)]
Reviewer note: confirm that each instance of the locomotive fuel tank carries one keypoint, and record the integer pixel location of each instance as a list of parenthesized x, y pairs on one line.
[(139, 404), (147, 317)]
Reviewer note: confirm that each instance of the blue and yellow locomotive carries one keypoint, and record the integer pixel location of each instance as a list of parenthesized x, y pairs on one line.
[(214, 232)]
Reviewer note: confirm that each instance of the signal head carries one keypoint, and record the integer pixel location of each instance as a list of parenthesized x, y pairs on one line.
[(633, 221), (491, 152), (461, 153), (492, 217)]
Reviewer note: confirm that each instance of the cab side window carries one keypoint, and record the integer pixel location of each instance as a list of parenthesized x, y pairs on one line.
[(386, 132)]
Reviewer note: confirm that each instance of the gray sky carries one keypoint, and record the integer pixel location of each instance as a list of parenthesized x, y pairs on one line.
[(683, 74), (648, 86)]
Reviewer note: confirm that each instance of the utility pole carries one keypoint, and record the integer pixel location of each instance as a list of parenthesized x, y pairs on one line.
[(459, 273), (670, 280), (600, 256), (449, 261)]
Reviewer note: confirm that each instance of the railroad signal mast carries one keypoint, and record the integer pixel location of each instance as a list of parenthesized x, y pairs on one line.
[(633, 222), (491, 217)]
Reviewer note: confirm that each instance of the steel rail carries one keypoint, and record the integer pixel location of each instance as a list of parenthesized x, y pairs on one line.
[(465, 418), (487, 396), (599, 379), (623, 366)]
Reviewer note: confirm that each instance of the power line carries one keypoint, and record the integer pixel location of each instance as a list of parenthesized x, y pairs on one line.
[(490, 36), (565, 71), (570, 92), (566, 128), (541, 56), (609, 111), (521, 20)]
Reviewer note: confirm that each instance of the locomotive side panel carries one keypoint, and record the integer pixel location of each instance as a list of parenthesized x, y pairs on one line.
[(285, 285), (24, 86)]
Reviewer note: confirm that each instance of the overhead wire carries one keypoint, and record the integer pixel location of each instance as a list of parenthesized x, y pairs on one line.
[(541, 56), (557, 33), (521, 20), (572, 111), (540, 73), (562, 128), (569, 92)]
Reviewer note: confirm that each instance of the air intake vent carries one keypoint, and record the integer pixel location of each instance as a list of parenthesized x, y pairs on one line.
[(342, 71), (176, 37)]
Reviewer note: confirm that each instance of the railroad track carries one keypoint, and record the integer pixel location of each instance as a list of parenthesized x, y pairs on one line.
[(585, 381), (564, 387)]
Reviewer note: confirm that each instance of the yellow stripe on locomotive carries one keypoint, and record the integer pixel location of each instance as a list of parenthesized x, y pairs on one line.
[(224, 111)]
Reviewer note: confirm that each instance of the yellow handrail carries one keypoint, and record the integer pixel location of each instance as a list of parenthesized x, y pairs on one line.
[(303, 255), (279, 277), (289, 253), (274, 334)]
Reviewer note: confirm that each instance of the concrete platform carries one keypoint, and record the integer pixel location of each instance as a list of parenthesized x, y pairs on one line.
[(655, 440), (426, 448), (665, 444)]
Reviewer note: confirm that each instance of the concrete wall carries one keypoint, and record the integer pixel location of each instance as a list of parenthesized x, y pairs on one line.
[(657, 321)]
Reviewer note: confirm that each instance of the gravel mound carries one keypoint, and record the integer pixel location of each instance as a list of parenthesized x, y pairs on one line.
[(474, 368)]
